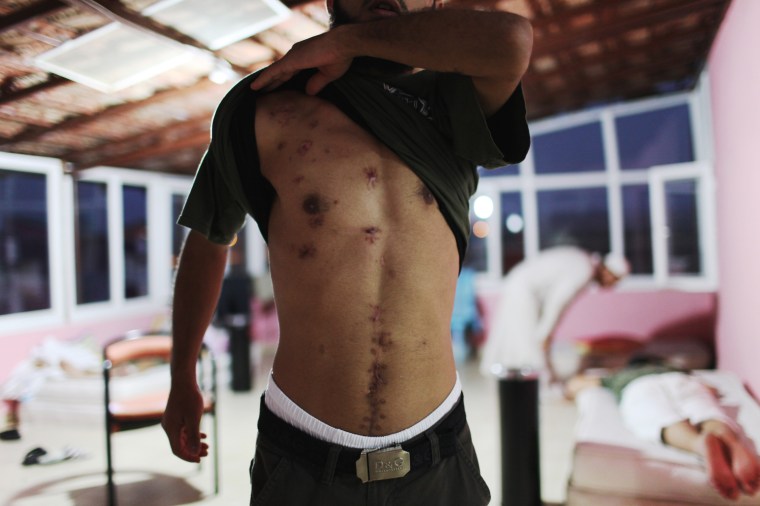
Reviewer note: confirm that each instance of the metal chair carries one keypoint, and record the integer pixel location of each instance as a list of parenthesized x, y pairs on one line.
[(130, 355)]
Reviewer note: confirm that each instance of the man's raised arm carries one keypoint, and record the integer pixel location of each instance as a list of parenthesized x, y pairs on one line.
[(492, 47)]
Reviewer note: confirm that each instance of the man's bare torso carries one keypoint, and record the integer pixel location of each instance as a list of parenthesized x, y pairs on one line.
[(364, 268)]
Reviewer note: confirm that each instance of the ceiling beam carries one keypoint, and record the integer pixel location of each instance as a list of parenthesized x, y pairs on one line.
[(8, 94), (32, 132), (26, 14), (653, 52), (109, 151), (196, 140), (553, 44)]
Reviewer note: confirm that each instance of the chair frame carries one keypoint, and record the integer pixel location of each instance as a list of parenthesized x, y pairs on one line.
[(160, 349)]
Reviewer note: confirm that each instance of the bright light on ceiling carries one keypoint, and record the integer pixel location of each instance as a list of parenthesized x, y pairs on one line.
[(116, 56), (218, 23)]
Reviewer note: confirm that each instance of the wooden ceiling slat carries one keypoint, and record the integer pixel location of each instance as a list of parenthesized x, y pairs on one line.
[(585, 53), (106, 154), (32, 133), (655, 48), (53, 81), (29, 13), (158, 150), (573, 38)]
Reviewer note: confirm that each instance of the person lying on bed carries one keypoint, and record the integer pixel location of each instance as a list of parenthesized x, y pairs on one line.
[(663, 404)]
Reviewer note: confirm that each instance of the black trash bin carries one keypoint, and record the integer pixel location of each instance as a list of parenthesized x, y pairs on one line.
[(520, 467)]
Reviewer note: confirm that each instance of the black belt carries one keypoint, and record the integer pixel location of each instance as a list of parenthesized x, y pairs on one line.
[(310, 450)]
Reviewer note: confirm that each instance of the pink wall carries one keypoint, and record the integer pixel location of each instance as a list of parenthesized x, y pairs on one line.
[(16, 346), (734, 70), (636, 315)]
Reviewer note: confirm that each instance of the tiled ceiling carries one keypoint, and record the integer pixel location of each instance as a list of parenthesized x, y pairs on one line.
[(586, 52)]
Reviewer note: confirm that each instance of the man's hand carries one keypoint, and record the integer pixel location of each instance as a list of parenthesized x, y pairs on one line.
[(322, 52), (181, 422)]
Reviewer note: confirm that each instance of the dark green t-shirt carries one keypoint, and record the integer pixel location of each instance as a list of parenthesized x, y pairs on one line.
[(431, 120), (617, 381)]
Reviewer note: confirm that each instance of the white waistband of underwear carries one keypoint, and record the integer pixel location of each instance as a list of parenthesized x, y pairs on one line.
[(287, 410)]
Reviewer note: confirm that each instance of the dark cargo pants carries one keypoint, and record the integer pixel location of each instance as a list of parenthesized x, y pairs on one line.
[(291, 468)]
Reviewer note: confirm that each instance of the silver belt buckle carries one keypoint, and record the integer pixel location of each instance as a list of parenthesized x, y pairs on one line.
[(383, 464)]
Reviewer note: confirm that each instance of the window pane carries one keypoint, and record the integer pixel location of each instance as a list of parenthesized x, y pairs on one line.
[(683, 229), (637, 228), (24, 250), (655, 138), (178, 231), (574, 217), (476, 256), (135, 241), (507, 170), (512, 231), (93, 267), (577, 149)]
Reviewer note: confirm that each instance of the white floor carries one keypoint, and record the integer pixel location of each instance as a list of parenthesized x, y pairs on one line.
[(148, 475)]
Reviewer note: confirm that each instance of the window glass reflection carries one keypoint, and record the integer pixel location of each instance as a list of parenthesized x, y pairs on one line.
[(24, 251), (135, 215), (576, 149), (683, 228), (92, 261), (512, 231), (655, 137), (178, 231), (576, 216), (507, 170), (637, 228)]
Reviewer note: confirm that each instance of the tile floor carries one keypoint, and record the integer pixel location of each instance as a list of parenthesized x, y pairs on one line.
[(148, 475)]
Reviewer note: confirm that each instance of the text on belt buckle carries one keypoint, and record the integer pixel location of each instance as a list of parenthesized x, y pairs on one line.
[(383, 464)]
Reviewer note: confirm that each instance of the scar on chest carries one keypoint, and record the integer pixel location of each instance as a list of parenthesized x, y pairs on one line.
[(306, 251), (424, 192), (283, 115), (314, 203), (304, 147)]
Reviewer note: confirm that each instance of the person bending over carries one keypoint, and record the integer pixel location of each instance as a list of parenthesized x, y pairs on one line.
[(356, 154)]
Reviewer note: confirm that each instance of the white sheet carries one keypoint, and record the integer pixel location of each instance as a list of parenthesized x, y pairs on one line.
[(611, 465), (81, 399)]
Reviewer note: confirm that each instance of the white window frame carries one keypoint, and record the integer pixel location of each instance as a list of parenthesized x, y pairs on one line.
[(702, 174), (613, 178), (53, 172)]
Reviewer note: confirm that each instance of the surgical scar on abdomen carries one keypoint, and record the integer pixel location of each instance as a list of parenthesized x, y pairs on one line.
[(380, 344)]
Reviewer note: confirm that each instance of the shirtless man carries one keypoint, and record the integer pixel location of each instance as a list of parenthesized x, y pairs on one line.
[(365, 245)]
